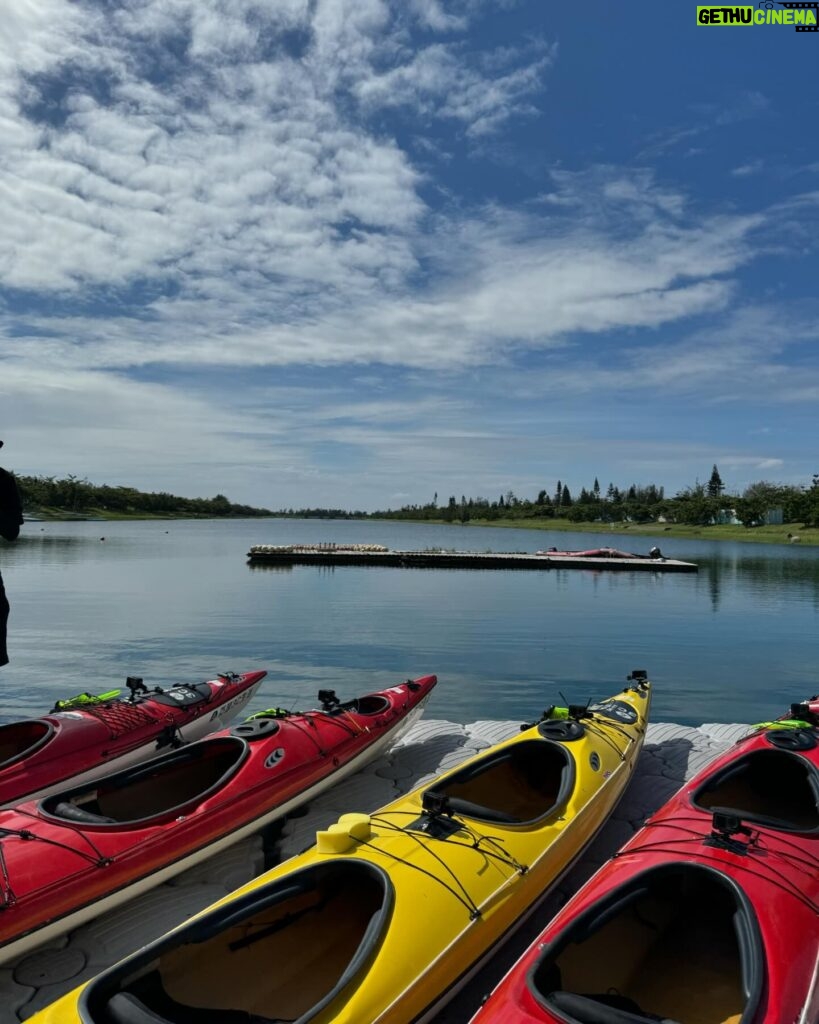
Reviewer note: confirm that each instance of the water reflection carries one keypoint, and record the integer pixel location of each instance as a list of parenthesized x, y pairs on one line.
[(792, 579)]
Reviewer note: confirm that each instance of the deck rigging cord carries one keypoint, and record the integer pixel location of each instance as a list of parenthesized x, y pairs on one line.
[(352, 727), (462, 897), (595, 728), (8, 898), (697, 838), (593, 721), (477, 838)]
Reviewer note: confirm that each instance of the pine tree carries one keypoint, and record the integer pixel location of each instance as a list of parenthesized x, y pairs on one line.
[(715, 484)]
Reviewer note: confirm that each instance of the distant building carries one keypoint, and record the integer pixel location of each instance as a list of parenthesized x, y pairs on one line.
[(773, 517)]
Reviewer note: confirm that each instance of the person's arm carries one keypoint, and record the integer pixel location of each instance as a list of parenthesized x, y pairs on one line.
[(11, 509)]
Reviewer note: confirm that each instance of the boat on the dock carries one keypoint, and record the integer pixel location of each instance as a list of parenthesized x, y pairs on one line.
[(87, 849), (709, 914), (390, 912), (654, 553), (87, 736)]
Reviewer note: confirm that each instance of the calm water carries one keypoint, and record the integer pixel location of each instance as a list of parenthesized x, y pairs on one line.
[(178, 602)]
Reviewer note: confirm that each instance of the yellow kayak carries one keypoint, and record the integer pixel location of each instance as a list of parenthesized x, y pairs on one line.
[(389, 913)]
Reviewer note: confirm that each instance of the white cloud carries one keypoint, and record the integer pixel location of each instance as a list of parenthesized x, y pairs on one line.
[(192, 188), (266, 224), (504, 280), (746, 170), (438, 82)]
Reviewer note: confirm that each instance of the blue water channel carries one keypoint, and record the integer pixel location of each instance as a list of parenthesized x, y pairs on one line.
[(177, 601)]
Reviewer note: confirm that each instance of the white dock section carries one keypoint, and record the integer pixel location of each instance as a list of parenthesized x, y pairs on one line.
[(671, 755)]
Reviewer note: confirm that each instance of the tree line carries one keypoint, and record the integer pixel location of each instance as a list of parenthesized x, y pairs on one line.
[(698, 505), (80, 497)]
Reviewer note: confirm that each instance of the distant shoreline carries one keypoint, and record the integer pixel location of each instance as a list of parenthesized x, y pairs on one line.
[(749, 535), (96, 516), (808, 537)]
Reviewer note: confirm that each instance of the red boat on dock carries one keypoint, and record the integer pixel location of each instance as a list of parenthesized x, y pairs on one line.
[(709, 915), (85, 737), (598, 553), (87, 849)]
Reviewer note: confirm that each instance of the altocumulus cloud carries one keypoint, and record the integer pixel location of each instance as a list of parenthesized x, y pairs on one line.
[(213, 165), (202, 184)]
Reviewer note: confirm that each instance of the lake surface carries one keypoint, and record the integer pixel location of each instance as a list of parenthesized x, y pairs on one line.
[(177, 602)]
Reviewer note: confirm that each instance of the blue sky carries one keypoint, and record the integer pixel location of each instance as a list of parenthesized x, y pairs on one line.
[(352, 253)]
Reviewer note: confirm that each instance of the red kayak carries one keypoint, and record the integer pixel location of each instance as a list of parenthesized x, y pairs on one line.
[(84, 850), (85, 737), (596, 553), (709, 915)]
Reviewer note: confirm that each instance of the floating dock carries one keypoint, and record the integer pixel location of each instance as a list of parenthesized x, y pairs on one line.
[(671, 755), (375, 555)]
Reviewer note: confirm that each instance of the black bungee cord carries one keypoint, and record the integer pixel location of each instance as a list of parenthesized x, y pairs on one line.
[(98, 861), (466, 899), (697, 838)]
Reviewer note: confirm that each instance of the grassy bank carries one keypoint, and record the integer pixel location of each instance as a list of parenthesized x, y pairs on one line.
[(658, 531)]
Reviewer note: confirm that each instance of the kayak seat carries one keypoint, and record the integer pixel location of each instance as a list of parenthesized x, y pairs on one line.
[(777, 789), (72, 812), (372, 704), (126, 1008), (21, 739), (164, 785), (273, 956), (521, 784), (676, 943), (610, 1008)]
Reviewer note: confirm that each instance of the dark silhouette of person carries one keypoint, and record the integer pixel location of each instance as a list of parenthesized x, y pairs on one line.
[(11, 518)]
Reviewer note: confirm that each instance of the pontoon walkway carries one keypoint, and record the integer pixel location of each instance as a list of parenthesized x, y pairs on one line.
[(373, 555)]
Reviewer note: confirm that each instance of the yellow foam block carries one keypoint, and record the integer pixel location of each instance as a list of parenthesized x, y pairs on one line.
[(347, 832)]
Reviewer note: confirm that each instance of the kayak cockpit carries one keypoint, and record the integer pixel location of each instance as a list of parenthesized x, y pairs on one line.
[(280, 953), (369, 704), (517, 785), (778, 789), (677, 943), (19, 740), (159, 787)]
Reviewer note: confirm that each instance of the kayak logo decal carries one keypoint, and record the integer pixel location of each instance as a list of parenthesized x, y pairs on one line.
[(616, 710), (180, 694), (275, 758), (237, 702)]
